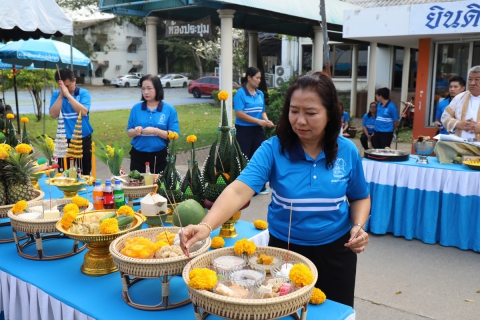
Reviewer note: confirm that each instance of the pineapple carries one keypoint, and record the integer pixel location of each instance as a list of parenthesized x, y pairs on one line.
[(17, 170), (3, 195)]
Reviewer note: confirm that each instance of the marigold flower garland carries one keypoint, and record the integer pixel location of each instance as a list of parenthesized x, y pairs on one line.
[(109, 226), (126, 210), (260, 224), (202, 279), (244, 246), (80, 201), (19, 207), (301, 275), (70, 212), (217, 242), (317, 297)]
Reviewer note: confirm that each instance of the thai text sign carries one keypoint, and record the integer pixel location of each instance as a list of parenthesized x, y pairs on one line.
[(445, 17), (198, 28)]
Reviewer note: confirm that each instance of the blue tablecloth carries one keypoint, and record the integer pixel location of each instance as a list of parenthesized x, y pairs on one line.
[(433, 202), (101, 298)]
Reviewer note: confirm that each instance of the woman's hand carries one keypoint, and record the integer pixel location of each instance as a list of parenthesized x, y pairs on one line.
[(358, 239), (138, 130), (150, 130), (191, 235)]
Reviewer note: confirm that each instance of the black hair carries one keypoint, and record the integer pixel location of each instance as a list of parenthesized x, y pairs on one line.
[(458, 79), (65, 74), (383, 92), (369, 106), (157, 84), (251, 72), (321, 84)]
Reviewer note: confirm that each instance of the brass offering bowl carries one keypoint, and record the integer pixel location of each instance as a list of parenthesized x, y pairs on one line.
[(70, 186), (34, 177), (98, 260)]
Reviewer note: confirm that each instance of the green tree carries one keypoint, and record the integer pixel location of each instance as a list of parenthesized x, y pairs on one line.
[(33, 81)]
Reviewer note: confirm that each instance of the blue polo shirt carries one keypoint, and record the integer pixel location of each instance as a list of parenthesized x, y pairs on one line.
[(345, 118), (316, 196), (369, 123), (442, 105), (69, 114), (386, 116), (253, 105), (164, 117)]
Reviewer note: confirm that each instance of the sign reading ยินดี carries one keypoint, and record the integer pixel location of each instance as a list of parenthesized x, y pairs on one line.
[(199, 28), (445, 17)]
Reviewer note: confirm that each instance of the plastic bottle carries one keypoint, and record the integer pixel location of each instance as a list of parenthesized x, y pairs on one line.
[(98, 195), (148, 175), (108, 202), (72, 171), (118, 194)]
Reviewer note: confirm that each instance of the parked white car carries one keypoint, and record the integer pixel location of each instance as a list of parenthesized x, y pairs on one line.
[(174, 80), (126, 81)]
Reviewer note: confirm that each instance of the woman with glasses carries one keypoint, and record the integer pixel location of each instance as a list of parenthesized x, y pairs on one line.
[(149, 124), (368, 125)]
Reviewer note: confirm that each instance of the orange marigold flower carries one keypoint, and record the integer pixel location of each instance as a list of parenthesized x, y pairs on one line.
[(318, 297), (10, 116), (126, 210), (109, 226), (191, 138), (301, 275), (217, 242), (172, 135), (260, 224), (223, 95), (23, 148), (202, 279), (19, 207), (244, 246), (24, 119)]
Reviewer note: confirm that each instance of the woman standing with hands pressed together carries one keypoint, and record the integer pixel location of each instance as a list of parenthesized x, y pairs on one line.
[(249, 104), (317, 181), (149, 124)]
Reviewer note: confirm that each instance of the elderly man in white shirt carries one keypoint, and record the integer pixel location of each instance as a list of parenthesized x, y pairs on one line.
[(462, 116)]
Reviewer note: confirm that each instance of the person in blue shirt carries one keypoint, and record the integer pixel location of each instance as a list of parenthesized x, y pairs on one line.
[(368, 125), (456, 86), (386, 121), (149, 124), (345, 120), (71, 101), (249, 105), (320, 199)]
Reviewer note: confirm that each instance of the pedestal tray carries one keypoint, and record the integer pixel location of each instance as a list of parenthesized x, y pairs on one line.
[(39, 194), (207, 302), (133, 270), (38, 230), (136, 192)]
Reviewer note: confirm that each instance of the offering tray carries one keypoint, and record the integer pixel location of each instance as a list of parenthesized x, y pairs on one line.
[(39, 194), (233, 308), (38, 230), (98, 261), (133, 270), (136, 192), (386, 155), (69, 186)]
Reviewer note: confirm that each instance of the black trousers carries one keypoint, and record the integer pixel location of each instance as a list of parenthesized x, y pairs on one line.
[(336, 267), (85, 163), (380, 140), (364, 141), (138, 159)]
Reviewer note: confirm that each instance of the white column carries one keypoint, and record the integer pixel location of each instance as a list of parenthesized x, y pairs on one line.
[(226, 81), (353, 91), (152, 65), (285, 55), (372, 71), (317, 61), (252, 48), (405, 74)]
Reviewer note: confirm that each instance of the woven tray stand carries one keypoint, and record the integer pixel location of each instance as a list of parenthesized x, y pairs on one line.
[(39, 194), (133, 270), (97, 260), (136, 192), (207, 302), (38, 230)]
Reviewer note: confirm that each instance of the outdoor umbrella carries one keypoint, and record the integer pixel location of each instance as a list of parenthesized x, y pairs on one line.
[(43, 53)]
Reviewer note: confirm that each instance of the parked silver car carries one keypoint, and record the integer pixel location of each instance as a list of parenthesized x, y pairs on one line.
[(174, 80), (126, 81)]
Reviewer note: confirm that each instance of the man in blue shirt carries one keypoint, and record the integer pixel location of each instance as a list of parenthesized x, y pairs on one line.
[(70, 101), (386, 121), (457, 85)]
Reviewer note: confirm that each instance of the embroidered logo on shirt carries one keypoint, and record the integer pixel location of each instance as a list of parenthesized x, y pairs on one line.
[(162, 119), (339, 169)]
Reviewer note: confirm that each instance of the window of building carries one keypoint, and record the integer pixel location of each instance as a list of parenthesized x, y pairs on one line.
[(341, 60), (132, 48), (99, 73), (398, 55), (100, 42)]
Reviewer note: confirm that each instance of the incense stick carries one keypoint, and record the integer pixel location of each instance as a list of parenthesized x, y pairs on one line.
[(58, 70), (289, 229)]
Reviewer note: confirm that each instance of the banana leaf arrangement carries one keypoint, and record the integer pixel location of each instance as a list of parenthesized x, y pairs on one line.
[(169, 181), (192, 183)]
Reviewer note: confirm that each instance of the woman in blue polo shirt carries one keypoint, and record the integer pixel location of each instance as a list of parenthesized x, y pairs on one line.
[(317, 183), (149, 124), (249, 104), (368, 125)]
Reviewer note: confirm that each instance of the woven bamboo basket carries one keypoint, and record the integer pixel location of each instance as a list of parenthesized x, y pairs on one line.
[(39, 194), (137, 192), (32, 226), (255, 309), (146, 268)]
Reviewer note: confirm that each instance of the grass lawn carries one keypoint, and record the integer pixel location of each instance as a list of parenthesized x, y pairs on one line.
[(110, 126)]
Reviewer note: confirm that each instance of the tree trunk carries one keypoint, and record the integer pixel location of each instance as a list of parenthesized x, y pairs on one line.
[(38, 102), (197, 62)]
